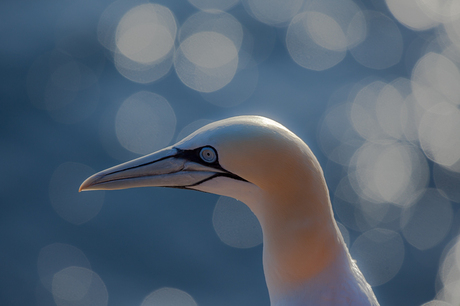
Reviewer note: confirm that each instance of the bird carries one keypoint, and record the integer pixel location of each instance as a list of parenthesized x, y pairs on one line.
[(260, 162)]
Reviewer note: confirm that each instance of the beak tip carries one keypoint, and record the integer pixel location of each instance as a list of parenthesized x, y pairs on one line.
[(82, 188), (86, 185)]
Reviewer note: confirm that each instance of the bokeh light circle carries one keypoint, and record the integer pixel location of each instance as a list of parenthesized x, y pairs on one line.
[(145, 122), (72, 206), (207, 58), (219, 51), (411, 114), (78, 286), (338, 24), (145, 38), (235, 224), (206, 61), (326, 32), (448, 280), (303, 46), (143, 73), (379, 254), (453, 33), (436, 303), (57, 256), (213, 21), (441, 11), (109, 20), (389, 103), (169, 296), (206, 5), (364, 113), (447, 182), (410, 14), (273, 12), (435, 80), (146, 33), (388, 173), (439, 134)]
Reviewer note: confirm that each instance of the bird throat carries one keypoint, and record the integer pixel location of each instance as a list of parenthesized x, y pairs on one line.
[(301, 240)]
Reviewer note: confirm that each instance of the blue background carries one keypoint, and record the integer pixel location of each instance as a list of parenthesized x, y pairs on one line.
[(145, 239)]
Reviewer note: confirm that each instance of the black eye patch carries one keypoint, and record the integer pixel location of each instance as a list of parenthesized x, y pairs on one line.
[(193, 155)]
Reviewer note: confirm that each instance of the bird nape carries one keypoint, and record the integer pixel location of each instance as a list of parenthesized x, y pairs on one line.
[(261, 163)]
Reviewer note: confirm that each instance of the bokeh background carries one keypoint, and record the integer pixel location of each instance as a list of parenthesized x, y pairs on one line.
[(373, 87)]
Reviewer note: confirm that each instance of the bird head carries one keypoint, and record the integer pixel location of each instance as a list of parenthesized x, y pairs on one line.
[(236, 157)]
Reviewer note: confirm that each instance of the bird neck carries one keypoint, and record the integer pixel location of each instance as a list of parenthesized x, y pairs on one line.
[(301, 240)]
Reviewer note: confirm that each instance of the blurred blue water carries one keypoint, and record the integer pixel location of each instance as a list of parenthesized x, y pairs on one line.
[(146, 239)]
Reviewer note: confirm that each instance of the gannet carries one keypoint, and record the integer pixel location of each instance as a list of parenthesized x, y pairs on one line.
[(261, 163)]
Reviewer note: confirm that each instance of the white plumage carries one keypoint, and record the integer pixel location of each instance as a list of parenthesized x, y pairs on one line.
[(261, 163)]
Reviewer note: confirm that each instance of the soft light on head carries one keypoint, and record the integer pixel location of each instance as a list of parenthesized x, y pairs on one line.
[(257, 149)]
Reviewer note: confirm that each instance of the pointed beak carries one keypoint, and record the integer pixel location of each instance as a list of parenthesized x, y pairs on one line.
[(165, 168)]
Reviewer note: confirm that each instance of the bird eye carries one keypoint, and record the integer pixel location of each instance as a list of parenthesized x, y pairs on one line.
[(208, 155)]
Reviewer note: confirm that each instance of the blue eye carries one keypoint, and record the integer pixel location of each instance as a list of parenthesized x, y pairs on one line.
[(208, 154)]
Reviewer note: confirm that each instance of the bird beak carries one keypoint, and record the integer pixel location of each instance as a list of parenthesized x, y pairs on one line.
[(164, 168)]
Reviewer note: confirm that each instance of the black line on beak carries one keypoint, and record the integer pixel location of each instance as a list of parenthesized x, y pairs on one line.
[(148, 163)]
